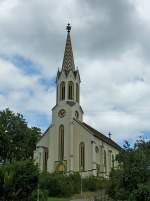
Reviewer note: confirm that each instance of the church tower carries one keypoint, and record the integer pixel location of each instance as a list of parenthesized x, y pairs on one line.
[(67, 107), (68, 86)]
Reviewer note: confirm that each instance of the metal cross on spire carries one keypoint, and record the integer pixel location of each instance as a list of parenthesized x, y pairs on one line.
[(68, 27)]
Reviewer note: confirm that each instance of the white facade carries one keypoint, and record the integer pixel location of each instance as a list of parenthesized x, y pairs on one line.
[(69, 144)]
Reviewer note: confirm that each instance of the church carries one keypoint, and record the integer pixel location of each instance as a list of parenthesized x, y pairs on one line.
[(69, 144)]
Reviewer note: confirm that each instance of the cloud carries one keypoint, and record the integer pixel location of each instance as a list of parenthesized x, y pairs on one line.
[(111, 47), (118, 93), (24, 93)]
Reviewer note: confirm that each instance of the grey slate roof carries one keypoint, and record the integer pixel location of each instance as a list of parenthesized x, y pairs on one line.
[(99, 135), (68, 61)]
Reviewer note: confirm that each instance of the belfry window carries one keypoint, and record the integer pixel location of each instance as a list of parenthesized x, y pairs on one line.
[(61, 143), (62, 91), (81, 156), (77, 92), (70, 90)]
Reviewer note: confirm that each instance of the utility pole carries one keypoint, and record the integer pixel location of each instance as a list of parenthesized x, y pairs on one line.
[(38, 193), (81, 184)]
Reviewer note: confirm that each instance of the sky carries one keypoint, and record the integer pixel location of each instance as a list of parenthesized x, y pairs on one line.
[(111, 47)]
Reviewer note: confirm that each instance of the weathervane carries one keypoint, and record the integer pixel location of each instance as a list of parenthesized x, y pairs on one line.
[(68, 27)]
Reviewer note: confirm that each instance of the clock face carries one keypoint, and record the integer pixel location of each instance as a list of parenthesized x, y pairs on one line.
[(61, 113)]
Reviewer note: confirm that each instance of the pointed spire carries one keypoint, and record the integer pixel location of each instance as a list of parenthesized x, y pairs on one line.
[(68, 61)]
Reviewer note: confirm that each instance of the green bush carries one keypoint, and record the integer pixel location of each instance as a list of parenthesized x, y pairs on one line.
[(75, 181), (57, 184), (93, 183), (131, 181), (65, 185), (43, 195), (89, 183), (142, 193), (18, 180)]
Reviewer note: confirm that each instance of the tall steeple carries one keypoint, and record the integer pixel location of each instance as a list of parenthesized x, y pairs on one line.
[(68, 79), (68, 60)]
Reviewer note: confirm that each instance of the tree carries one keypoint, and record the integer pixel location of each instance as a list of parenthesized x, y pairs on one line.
[(18, 180), (132, 180), (17, 140)]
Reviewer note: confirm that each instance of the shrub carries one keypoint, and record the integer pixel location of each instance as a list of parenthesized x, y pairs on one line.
[(56, 184), (89, 183), (18, 180), (142, 193), (93, 183), (131, 181), (43, 195), (75, 180)]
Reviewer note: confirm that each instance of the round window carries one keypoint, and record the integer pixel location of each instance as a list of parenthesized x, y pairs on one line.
[(76, 114)]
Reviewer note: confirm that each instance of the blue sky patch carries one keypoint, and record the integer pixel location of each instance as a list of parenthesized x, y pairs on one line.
[(25, 64), (39, 120), (48, 82)]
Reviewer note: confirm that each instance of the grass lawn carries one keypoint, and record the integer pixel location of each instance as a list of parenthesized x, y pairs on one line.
[(58, 199), (87, 194)]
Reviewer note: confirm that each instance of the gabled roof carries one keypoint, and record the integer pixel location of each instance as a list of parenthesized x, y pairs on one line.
[(99, 135), (75, 73), (46, 132)]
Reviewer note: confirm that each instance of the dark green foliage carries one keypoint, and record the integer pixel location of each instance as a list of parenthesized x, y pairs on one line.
[(58, 184), (43, 195), (132, 180), (18, 180), (17, 140), (89, 183), (141, 193), (93, 183), (76, 182), (65, 185)]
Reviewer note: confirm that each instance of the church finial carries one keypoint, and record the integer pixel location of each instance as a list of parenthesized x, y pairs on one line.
[(68, 27), (68, 60), (109, 134)]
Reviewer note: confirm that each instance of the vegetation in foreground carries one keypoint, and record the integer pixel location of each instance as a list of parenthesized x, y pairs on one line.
[(18, 180), (17, 140), (131, 182), (58, 199)]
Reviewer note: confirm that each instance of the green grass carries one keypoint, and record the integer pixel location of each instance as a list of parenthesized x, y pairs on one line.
[(87, 194), (58, 199)]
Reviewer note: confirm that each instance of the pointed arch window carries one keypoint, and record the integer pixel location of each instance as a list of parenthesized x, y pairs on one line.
[(77, 92), (105, 161), (82, 156), (70, 90), (113, 161), (61, 143), (45, 159), (62, 91)]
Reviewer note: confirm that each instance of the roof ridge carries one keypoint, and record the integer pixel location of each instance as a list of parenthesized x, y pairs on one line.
[(100, 135)]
